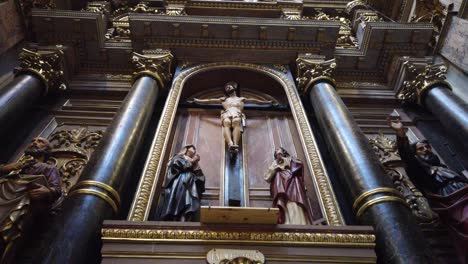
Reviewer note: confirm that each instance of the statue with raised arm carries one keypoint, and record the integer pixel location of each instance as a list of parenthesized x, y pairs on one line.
[(232, 117), (447, 190)]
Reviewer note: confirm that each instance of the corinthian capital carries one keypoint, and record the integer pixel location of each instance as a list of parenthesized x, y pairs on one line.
[(47, 65), (419, 79), (311, 69), (154, 63)]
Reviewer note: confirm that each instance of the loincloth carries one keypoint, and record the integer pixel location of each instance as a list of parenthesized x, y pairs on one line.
[(231, 114)]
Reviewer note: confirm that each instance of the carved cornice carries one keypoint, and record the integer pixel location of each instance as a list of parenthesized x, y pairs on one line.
[(285, 238), (157, 64), (419, 79), (311, 69), (47, 65)]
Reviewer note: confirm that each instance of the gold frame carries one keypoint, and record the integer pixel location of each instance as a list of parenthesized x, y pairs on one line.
[(154, 163)]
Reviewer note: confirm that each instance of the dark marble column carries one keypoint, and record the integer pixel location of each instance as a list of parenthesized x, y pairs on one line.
[(75, 235), (424, 84), (450, 109), (25, 89), (40, 71), (376, 203)]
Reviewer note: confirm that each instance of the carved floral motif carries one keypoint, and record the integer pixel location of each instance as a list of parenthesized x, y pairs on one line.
[(420, 79), (71, 150), (47, 65), (387, 152), (157, 64), (311, 69)]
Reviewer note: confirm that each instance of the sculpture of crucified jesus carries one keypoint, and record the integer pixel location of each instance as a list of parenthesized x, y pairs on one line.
[(232, 117)]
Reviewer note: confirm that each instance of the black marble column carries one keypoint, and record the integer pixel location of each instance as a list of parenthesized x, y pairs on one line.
[(15, 97), (76, 233), (450, 109), (399, 239)]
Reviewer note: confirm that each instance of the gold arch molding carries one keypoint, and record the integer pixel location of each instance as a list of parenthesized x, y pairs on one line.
[(154, 164)]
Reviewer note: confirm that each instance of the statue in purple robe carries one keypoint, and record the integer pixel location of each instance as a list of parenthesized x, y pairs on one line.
[(28, 189)]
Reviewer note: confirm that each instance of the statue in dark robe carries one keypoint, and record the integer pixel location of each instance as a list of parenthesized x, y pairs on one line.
[(183, 187), (446, 189), (286, 178), (29, 190)]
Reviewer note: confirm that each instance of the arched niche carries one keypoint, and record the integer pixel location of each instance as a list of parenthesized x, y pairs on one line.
[(259, 79)]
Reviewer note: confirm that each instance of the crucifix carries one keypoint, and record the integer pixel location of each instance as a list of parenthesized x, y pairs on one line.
[(233, 122)]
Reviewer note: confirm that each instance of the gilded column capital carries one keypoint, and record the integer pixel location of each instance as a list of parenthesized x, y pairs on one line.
[(311, 69), (47, 65), (156, 64), (292, 14), (420, 79), (354, 5), (98, 7)]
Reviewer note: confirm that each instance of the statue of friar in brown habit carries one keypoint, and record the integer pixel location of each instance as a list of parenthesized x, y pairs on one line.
[(232, 117), (28, 189)]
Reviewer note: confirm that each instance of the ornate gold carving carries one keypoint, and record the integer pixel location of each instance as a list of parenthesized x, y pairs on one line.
[(369, 16), (157, 64), (311, 69), (46, 65), (353, 5), (386, 150), (143, 8), (359, 240), (71, 150), (420, 80), (175, 10), (98, 7), (234, 256), (292, 14), (141, 205), (433, 12)]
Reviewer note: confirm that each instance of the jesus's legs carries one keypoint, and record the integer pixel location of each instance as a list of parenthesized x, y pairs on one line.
[(227, 131), (236, 130)]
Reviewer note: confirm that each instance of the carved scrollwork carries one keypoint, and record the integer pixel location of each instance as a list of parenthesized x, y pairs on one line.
[(234, 256), (387, 152), (420, 79), (156, 64), (356, 4), (46, 65), (71, 150), (175, 10), (311, 69), (98, 7), (292, 14), (369, 16)]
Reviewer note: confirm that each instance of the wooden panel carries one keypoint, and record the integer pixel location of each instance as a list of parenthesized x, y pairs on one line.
[(209, 143)]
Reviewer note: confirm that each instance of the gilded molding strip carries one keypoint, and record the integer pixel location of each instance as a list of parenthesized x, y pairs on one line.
[(102, 185), (185, 236), (282, 258), (99, 194), (368, 193), (141, 205), (378, 200)]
